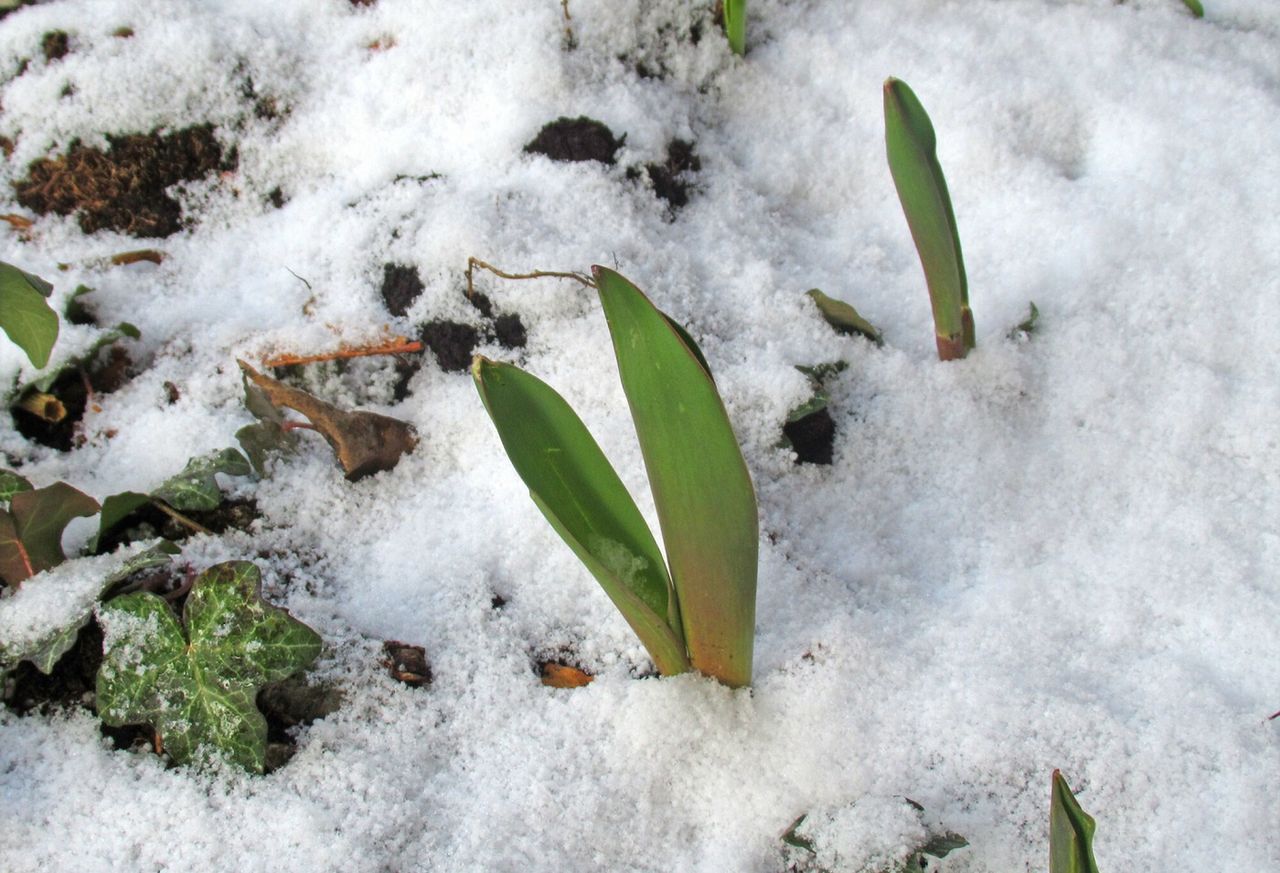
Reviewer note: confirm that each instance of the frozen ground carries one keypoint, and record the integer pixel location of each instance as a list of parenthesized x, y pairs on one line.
[(1059, 552)]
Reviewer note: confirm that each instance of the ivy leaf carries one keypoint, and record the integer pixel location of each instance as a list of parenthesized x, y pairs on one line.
[(197, 685), (31, 529), (844, 318), (195, 489), (115, 509), (10, 484), (364, 442), (25, 315), (46, 648)]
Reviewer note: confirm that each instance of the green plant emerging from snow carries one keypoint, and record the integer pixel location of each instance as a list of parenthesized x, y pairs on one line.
[(1070, 832), (735, 25), (699, 614), (196, 682), (911, 146)]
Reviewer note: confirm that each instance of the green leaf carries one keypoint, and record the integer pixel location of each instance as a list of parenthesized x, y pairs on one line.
[(31, 531), (25, 315), (580, 493), (941, 845), (796, 840), (266, 436), (1070, 832), (913, 161), (107, 338), (195, 489), (197, 687), (1027, 326), (115, 509), (735, 25), (701, 488), (10, 484), (844, 318), (1196, 7)]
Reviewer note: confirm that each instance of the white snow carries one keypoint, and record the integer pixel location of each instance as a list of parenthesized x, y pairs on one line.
[(1060, 552)]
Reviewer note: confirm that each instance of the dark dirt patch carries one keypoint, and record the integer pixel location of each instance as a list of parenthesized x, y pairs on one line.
[(482, 304), (401, 286), (55, 45), (576, 139), (111, 370), (812, 437), (509, 330), (276, 197), (452, 343), (672, 178), (71, 683), (148, 522), (123, 188), (288, 705), (407, 663)]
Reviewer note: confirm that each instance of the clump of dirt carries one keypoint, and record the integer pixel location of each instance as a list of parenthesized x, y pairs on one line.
[(812, 437), (109, 372), (509, 330), (55, 45), (672, 179), (452, 343), (401, 286), (124, 188), (407, 663), (576, 139)]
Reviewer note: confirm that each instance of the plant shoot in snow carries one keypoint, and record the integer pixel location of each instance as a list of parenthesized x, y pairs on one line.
[(696, 609), (913, 161)]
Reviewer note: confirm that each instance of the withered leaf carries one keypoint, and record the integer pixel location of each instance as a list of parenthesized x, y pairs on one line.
[(561, 676), (364, 442)]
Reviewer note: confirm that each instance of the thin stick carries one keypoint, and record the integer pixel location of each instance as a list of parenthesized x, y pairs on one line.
[(564, 4), (398, 346), (472, 263), (179, 517)]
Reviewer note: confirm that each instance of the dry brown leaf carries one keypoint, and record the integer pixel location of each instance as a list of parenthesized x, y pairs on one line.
[(560, 676), (364, 442), (134, 257)]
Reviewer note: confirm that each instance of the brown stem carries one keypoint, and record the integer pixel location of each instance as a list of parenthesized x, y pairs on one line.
[(179, 517), (398, 346), (472, 263), (951, 348)]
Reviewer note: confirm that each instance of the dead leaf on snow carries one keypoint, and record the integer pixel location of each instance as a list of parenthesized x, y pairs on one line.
[(560, 676), (364, 442)]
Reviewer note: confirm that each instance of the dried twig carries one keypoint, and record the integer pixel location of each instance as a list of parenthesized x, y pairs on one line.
[(472, 263), (179, 517), (395, 346)]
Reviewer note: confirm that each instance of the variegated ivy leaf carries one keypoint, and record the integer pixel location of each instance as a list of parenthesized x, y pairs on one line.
[(195, 489), (44, 643), (10, 484), (196, 682)]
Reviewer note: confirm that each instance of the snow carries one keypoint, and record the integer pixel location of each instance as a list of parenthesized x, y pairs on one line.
[(1058, 553)]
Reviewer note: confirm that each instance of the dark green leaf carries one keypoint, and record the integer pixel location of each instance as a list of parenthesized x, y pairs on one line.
[(10, 484), (701, 488), (1027, 326), (197, 688), (690, 342), (75, 311), (1196, 7), (913, 161), (791, 838), (577, 489), (196, 489), (1070, 832), (115, 509), (844, 318), (25, 315), (942, 845), (31, 531)]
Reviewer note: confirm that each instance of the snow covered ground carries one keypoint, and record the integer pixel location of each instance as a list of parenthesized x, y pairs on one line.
[(1060, 552)]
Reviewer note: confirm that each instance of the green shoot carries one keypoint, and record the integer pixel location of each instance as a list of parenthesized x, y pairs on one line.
[(1196, 7), (700, 614), (735, 25), (1070, 832), (912, 149)]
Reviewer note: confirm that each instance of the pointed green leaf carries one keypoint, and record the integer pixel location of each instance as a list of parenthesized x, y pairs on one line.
[(735, 25), (1196, 7), (195, 489), (913, 161), (25, 315), (115, 509), (580, 493), (1028, 325), (197, 689), (31, 532), (690, 342), (843, 317), (1070, 832), (10, 484), (701, 488)]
